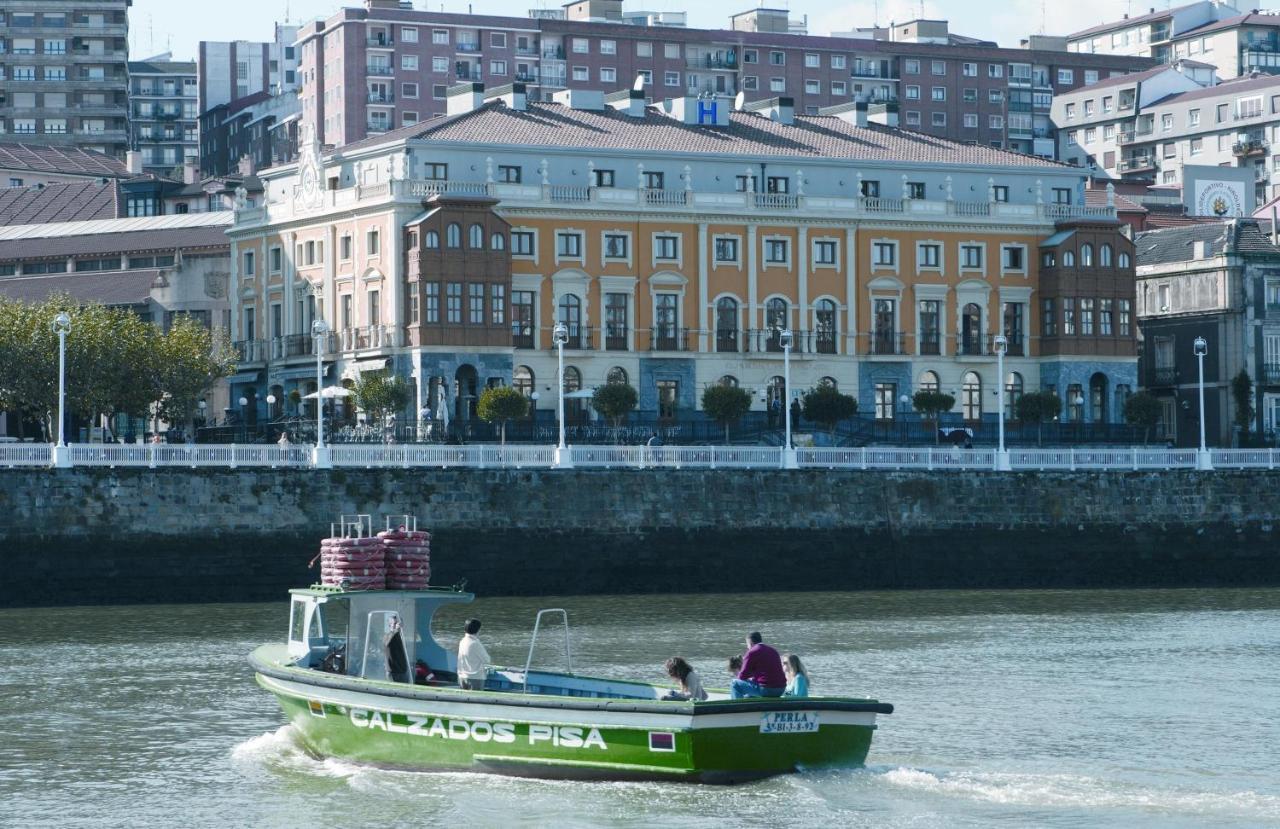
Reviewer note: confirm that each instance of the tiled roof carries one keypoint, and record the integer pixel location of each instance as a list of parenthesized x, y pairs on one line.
[(1177, 244), (71, 161), (183, 238), (70, 202), (748, 134), (1098, 198), (108, 288)]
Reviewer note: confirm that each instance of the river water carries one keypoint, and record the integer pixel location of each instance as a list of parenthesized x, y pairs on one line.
[(1102, 708)]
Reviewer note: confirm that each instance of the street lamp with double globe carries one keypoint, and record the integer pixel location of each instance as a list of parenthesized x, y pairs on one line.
[(560, 336), (320, 333), (1002, 456), (1201, 348), (61, 326), (786, 339)]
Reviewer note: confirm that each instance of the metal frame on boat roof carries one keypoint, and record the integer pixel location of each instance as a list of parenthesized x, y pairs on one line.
[(533, 640)]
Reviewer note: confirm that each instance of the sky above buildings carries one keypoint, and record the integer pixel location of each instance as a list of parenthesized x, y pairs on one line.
[(178, 25)]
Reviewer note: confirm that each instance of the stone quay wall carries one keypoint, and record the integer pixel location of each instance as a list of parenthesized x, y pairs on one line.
[(85, 536)]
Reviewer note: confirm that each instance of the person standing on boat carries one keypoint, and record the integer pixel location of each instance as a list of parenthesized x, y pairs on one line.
[(473, 659), (761, 674), (394, 649), (797, 676)]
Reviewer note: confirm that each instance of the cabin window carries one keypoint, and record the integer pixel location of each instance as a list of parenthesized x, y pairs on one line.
[(297, 620)]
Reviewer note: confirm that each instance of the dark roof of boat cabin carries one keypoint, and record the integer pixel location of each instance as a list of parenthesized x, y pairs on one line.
[(748, 134), (39, 158), (71, 202)]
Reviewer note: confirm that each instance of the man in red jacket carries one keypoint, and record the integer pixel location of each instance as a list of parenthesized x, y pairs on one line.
[(761, 674)]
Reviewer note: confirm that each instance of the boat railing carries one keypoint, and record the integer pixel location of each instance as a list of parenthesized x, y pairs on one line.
[(568, 652)]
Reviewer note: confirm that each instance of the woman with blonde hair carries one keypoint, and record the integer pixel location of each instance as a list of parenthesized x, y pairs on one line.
[(797, 677)]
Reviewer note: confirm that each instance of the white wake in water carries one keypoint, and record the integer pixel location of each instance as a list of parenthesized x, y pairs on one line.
[(1076, 791), (281, 750)]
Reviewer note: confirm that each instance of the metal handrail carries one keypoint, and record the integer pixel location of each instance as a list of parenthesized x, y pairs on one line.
[(568, 653)]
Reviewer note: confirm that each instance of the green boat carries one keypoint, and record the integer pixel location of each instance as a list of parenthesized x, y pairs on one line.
[(332, 680)]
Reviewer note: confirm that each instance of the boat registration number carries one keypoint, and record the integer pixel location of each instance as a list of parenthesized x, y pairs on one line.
[(789, 722)]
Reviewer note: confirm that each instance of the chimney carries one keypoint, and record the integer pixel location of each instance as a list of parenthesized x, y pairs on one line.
[(464, 97), (628, 101), (884, 113), (782, 109), (511, 94), (133, 161), (585, 99), (190, 171), (1197, 249)]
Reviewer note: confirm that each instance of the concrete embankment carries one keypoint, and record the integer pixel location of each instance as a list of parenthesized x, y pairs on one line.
[(116, 536)]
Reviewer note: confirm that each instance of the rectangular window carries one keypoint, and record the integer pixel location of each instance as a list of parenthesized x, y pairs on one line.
[(414, 309), (930, 331), (373, 241), (1086, 317), (824, 252), (1126, 317), (939, 93), (497, 304), (666, 247), (911, 67), (971, 256), (654, 181), (1001, 192), (939, 67), (775, 251), (277, 259), (1105, 312), (344, 247), (615, 246), (522, 319), (1069, 316), (475, 295), (915, 190), (1048, 322), (433, 302), (884, 254), (439, 36), (615, 321), (778, 58), (522, 242), (569, 245), (930, 256), (671, 78), (870, 189), (604, 178), (581, 46), (1012, 258), (509, 174), (248, 263), (726, 250), (453, 303), (375, 307)]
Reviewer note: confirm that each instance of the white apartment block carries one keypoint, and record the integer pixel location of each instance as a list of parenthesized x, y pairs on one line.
[(1150, 35), (231, 70)]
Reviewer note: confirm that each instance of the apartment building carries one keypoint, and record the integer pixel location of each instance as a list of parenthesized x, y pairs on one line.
[(675, 242), (1218, 281), (1149, 35), (165, 121), (64, 78), (1149, 126), (232, 70), (262, 128), (1235, 45), (369, 70)]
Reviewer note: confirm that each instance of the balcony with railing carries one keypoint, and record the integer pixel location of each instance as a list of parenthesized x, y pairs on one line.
[(379, 41), (887, 343), (1137, 164), (522, 335), (1249, 148), (1271, 374), (670, 338), (470, 47), (553, 53), (873, 72), (1015, 345), (381, 97), (1164, 376), (366, 338), (615, 338), (930, 343), (711, 62), (467, 72), (578, 336), (379, 69), (250, 351), (971, 345)]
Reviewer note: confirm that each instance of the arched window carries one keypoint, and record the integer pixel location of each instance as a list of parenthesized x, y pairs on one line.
[(573, 408), (1104, 256), (826, 327), (476, 238), (929, 381), (617, 376), (522, 380), (726, 324), (453, 235), (1086, 255), (971, 329), (776, 394), (728, 381), (1098, 398), (829, 383), (570, 313), (1012, 393), (433, 239), (1123, 259), (775, 320), (1068, 259), (971, 396), (497, 242), (1075, 403)]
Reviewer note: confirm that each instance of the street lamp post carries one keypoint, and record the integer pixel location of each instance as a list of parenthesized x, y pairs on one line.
[(786, 339), (560, 336), (1002, 455), (1201, 348), (62, 327), (320, 458), (903, 402)]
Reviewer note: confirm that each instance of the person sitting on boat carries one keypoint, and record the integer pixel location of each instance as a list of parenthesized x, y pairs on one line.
[(797, 677), (735, 665), (397, 656), (690, 683), (761, 674), (473, 659)]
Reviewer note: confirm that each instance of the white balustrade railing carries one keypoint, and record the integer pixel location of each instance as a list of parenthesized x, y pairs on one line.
[(517, 456)]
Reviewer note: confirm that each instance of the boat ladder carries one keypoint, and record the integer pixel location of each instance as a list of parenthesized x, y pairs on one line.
[(568, 653)]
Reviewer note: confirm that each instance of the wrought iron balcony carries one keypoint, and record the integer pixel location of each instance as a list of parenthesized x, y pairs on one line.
[(1165, 376), (1249, 148), (669, 338)]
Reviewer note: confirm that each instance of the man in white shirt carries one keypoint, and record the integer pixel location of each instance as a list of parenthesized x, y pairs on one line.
[(473, 659)]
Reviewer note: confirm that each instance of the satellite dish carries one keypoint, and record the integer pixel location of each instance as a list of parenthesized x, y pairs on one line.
[(638, 86), (739, 100)]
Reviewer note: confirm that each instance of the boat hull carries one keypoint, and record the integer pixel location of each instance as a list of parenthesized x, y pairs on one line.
[(410, 727)]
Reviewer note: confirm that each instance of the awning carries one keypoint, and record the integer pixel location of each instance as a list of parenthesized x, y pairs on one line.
[(300, 373), (361, 366), (1057, 238), (244, 377)]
